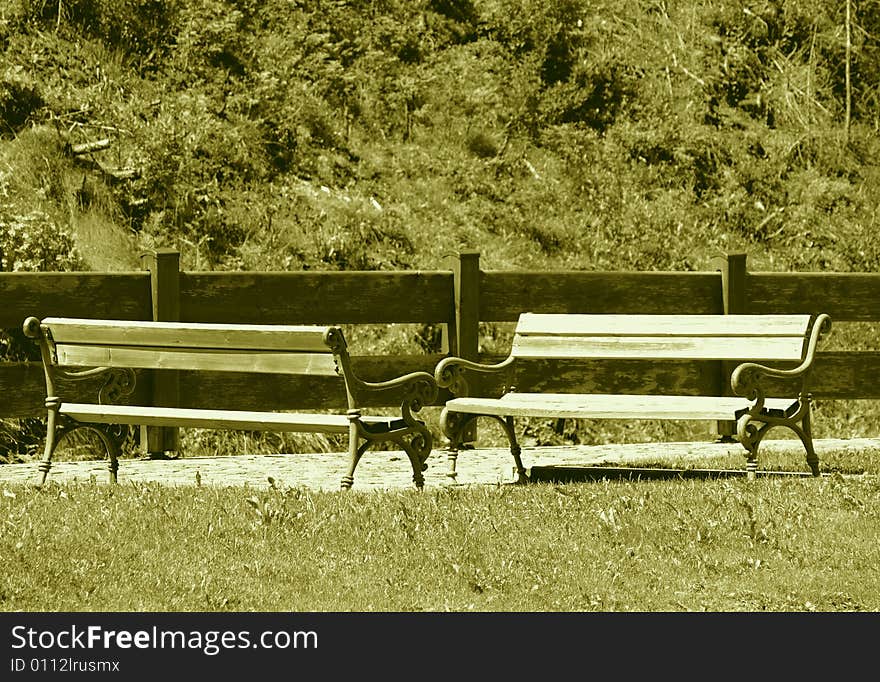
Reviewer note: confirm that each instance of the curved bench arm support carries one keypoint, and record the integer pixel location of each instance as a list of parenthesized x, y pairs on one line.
[(746, 378), (450, 372)]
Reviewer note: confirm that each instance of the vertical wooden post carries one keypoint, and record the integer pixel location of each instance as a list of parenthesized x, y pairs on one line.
[(466, 284), (164, 267), (733, 293), (448, 334)]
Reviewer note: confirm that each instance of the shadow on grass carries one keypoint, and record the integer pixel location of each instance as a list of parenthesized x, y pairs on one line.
[(574, 474)]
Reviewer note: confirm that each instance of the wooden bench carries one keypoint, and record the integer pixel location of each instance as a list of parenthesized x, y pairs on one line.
[(112, 349), (579, 342)]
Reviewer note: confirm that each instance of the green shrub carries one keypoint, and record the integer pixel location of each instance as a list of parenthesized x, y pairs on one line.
[(19, 100), (33, 242), (138, 27)]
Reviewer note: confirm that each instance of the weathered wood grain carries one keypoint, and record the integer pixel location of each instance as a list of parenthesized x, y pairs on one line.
[(613, 406), (672, 377), (195, 418), (663, 347), (275, 362), (846, 297), (504, 295), (234, 391), (317, 297), (663, 325), (845, 375), (164, 267), (838, 375), (123, 296), (189, 335), (23, 389)]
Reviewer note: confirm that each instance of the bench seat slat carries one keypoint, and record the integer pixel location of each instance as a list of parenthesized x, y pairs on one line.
[(601, 406), (189, 335), (273, 362), (663, 325), (228, 419), (659, 347)]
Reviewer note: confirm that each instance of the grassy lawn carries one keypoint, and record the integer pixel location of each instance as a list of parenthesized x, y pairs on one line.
[(775, 544)]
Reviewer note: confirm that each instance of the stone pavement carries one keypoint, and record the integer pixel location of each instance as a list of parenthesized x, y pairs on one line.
[(379, 470)]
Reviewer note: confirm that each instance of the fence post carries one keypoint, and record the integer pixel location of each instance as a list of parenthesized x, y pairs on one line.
[(733, 294), (466, 292), (164, 267)]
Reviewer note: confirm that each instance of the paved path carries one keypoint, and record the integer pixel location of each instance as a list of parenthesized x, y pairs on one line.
[(391, 470)]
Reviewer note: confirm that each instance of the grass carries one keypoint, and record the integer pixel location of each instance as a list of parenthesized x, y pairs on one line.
[(775, 544)]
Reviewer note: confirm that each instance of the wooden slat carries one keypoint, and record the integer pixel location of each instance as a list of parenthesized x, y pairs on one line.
[(663, 325), (121, 296), (845, 297), (849, 375), (504, 295), (188, 335), (668, 377), (838, 375), (317, 297), (226, 419), (718, 348), (577, 406), (23, 388), (198, 359), (304, 392)]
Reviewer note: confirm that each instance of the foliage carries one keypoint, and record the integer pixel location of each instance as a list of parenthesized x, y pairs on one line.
[(640, 117), (32, 242), (139, 27)]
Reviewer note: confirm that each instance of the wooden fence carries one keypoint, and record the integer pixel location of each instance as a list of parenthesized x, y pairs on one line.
[(459, 299)]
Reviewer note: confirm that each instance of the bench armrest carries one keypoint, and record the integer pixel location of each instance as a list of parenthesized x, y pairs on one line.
[(746, 378), (419, 388), (449, 372)]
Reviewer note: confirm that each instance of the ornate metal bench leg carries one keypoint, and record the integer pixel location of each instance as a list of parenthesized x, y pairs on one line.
[(355, 453), (750, 437), (52, 404), (515, 450), (418, 450), (452, 424), (114, 450), (751, 467), (807, 439), (452, 459), (806, 436), (418, 465), (51, 439)]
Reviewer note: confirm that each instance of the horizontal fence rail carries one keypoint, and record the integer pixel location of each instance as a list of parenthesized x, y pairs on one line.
[(504, 295), (458, 299), (316, 297), (124, 296)]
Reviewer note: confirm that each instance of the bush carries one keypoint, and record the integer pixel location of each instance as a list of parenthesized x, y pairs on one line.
[(33, 242), (138, 27), (19, 100)]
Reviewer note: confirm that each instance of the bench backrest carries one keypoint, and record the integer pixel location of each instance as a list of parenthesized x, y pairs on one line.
[(285, 349), (668, 337)]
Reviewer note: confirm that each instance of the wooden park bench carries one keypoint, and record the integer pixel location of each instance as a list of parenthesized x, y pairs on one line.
[(568, 350), (78, 349)]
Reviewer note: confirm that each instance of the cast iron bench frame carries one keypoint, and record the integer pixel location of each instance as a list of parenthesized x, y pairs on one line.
[(744, 340), (110, 350)]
